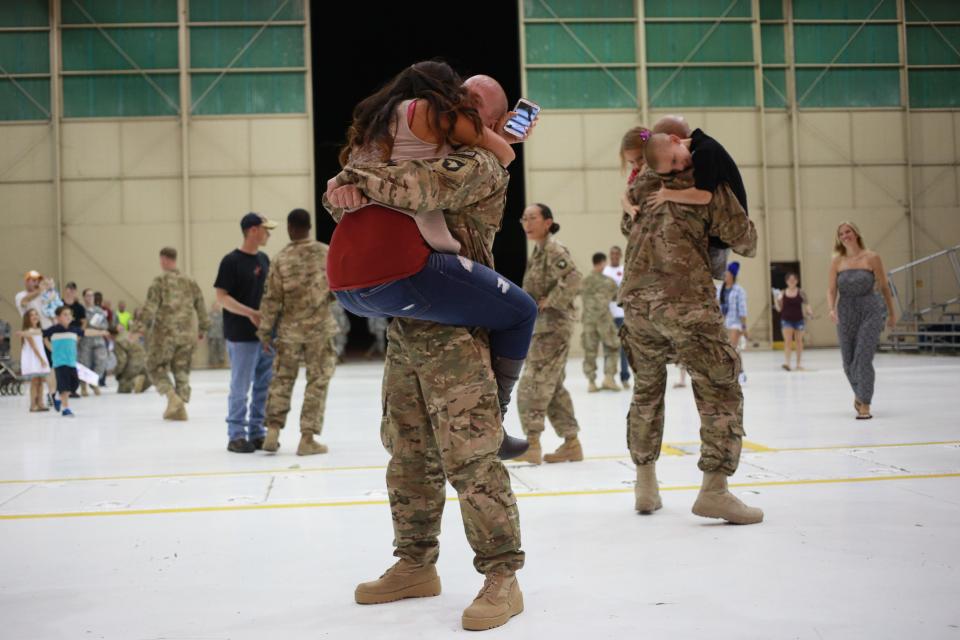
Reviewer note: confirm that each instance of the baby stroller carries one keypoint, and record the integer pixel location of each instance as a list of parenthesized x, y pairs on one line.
[(10, 382)]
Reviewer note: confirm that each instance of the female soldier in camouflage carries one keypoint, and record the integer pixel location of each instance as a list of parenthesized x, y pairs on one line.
[(553, 281)]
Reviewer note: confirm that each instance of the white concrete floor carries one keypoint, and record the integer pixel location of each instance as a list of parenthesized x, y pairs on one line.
[(118, 525)]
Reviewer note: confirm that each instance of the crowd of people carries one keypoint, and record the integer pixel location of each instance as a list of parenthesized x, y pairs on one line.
[(417, 204)]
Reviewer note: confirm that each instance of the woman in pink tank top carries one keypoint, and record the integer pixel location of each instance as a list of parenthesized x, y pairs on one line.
[(422, 114)]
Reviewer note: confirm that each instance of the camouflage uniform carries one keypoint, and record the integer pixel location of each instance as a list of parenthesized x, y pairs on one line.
[(343, 327), (441, 418), (216, 346), (597, 292), (131, 362), (553, 281), (172, 301), (671, 315), (297, 303)]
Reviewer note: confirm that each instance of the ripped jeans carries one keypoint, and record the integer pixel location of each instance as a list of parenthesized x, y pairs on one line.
[(455, 291)]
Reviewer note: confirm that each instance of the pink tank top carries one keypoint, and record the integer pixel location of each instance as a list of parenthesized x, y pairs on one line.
[(407, 146)]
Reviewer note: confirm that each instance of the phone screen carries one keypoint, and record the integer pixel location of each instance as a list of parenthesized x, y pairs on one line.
[(526, 111)]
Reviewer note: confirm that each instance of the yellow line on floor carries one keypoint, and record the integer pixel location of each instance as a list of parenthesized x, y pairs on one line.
[(868, 446), (538, 494), (669, 449)]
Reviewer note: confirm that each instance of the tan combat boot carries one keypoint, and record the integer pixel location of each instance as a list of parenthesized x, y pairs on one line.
[(402, 580), (499, 600), (308, 446), (272, 441), (83, 390), (569, 451), (176, 410), (592, 386), (96, 389), (715, 501), (646, 491), (534, 454), (610, 384), (138, 383)]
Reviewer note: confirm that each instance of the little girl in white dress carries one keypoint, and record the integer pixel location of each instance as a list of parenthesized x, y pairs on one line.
[(33, 359)]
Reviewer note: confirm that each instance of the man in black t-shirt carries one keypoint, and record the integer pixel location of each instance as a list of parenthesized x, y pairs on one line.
[(70, 299), (240, 281)]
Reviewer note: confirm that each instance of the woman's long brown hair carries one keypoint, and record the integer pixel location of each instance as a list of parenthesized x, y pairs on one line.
[(433, 81)]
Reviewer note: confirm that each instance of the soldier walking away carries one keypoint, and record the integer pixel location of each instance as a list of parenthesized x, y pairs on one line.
[(553, 281), (598, 291), (672, 315), (441, 410), (167, 317), (296, 306), (241, 278)]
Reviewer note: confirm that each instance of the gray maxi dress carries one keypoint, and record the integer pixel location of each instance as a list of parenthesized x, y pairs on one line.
[(861, 315)]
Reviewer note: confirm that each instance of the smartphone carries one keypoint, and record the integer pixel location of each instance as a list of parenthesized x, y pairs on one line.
[(525, 113)]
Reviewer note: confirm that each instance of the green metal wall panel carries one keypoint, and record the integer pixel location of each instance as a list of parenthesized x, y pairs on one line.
[(551, 44), (856, 87), (113, 11), (923, 10), (775, 97), (249, 93), (673, 42), (935, 88), (244, 10), (821, 42), (215, 47), (844, 9), (697, 8), (582, 88), (772, 43), (928, 46), (114, 96), (150, 48), (771, 10), (26, 52), (24, 13), (578, 8), (16, 106), (702, 87)]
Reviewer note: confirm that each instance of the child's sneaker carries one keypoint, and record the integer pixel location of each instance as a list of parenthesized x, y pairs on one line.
[(56, 404), (67, 413)]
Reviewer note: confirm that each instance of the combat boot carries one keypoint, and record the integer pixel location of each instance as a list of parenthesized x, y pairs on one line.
[(534, 454), (403, 580), (646, 491), (96, 389), (307, 447), (499, 600), (138, 383), (610, 384), (715, 501), (569, 451), (83, 390), (176, 410), (272, 442), (592, 386)]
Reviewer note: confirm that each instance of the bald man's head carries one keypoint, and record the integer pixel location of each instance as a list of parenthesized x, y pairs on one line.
[(672, 125), (490, 96)]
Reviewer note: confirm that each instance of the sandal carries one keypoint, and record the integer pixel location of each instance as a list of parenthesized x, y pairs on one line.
[(785, 367)]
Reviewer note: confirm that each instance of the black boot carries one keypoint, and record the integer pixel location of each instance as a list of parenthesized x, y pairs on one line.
[(507, 372)]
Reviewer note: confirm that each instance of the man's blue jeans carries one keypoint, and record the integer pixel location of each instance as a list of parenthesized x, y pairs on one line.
[(624, 366), (249, 367)]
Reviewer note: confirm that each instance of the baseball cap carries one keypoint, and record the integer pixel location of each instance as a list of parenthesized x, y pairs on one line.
[(256, 220), (32, 275)]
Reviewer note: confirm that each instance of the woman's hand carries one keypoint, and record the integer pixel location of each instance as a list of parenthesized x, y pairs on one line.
[(891, 321), (833, 315), (508, 135)]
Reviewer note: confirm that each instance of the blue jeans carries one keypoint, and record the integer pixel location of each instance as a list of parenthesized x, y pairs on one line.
[(624, 366), (455, 291), (249, 366)]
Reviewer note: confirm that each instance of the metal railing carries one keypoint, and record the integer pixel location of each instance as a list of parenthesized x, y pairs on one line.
[(930, 319)]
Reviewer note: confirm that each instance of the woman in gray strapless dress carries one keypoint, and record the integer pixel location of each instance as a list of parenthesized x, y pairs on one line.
[(859, 278)]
